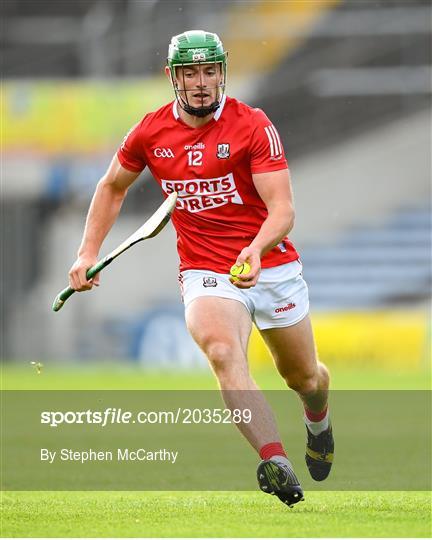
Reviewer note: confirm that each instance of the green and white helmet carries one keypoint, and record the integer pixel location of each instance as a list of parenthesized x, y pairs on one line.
[(196, 47)]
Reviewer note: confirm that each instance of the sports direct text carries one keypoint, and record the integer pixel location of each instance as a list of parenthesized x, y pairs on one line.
[(199, 194), (111, 416)]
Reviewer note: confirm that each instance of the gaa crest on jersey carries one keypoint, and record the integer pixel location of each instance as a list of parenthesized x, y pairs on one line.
[(223, 151), (163, 153), (209, 282)]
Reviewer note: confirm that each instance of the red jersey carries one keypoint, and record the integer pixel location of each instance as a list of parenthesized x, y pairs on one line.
[(219, 211)]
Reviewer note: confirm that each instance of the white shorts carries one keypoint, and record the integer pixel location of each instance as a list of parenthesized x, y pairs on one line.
[(279, 299)]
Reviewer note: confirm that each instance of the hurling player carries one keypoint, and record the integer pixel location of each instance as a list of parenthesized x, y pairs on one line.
[(226, 161)]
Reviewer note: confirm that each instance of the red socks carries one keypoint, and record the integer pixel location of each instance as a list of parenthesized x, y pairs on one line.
[(315, 417), (316, 422), (272, 449), (276, 449)]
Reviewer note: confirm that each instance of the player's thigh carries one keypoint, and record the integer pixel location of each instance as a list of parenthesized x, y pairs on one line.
[(219, 322), (293, 349)]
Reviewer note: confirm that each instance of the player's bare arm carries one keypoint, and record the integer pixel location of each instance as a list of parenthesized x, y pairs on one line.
[(104, 209), (275, 190)]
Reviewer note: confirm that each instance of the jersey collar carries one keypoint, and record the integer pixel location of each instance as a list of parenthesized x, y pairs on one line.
[(175, 110), (218, 112), (216, 116)]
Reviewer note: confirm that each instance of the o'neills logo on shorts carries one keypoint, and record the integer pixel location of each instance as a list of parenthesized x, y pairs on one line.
[(197, 195), (289, 306)]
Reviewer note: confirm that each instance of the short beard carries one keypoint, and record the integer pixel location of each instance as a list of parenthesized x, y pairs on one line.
[(200, 112)]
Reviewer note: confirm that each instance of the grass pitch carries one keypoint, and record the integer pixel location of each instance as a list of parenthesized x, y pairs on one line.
[(217, 514), (207, 514), (116, 376)]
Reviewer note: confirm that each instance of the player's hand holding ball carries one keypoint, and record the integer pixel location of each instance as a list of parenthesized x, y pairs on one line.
[(239, 270), (246, 270)]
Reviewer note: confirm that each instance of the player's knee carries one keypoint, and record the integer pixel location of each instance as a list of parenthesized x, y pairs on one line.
[(304, 383), (220, 355), (324, 375)]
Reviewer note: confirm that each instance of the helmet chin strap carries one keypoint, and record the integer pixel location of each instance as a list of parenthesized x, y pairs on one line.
[(200, 112)]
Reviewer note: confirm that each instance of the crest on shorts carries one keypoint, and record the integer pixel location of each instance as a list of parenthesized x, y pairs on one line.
[(209, 282), (223, 151)]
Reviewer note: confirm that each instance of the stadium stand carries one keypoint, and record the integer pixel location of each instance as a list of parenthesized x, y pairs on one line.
[(95, 38), (373, 267), (338, 82)]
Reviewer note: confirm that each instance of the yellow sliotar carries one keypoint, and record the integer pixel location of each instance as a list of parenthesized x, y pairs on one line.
[(238, 270)]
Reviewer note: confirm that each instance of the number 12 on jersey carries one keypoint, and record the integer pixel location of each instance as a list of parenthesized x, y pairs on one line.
[(195, 158)]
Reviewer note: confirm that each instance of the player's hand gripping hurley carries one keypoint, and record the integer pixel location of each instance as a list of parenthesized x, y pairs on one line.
[(150, 228)]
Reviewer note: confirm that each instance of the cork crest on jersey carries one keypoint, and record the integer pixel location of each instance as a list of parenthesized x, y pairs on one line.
[(223, 151)]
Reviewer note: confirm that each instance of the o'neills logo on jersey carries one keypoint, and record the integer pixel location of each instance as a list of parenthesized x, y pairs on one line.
[(197, 146), (197, 195)]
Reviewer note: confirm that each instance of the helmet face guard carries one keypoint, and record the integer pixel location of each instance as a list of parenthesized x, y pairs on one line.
[(197, 48)]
